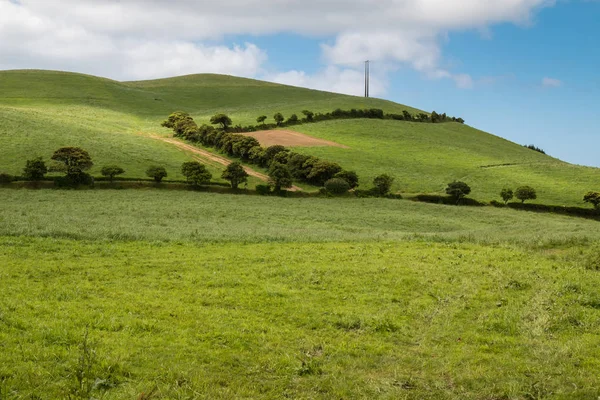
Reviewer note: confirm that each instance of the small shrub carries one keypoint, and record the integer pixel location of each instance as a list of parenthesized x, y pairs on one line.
[(196, 173), (507, 195), (6, 179), (35, 169), (278, 117), (110, 171), (74, 180), (534, 148), (157, 173), (458, 190), (337, 186), (349, 176), (524, 193), (263, 190), (593, 198), (383, 183)]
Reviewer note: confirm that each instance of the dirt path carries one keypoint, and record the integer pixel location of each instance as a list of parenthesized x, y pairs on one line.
[(204, 155)]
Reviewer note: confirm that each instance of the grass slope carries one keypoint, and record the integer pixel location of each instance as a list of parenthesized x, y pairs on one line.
[(43, 110), (118, 294)]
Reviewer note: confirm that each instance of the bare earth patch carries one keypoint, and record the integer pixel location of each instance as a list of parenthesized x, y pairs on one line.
[(290, 139)]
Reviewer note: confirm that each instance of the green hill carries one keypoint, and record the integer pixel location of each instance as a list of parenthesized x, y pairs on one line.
[(43, 110)]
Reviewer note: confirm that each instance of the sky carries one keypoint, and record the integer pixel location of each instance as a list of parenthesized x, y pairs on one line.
[(525, 70)]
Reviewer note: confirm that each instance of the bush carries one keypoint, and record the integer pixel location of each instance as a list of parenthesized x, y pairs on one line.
[(74, 180), (278, 117), (293, 119), (157, 173), (280, 176), (6, 179), (337, 186), (383, 183), (110, 171), (235, 174), (196, 173), (534, 148), (263, 190), (221, 119), (349, 176), (593, 198), (524, 193), (507, 195), (458, 190), (35, 169)]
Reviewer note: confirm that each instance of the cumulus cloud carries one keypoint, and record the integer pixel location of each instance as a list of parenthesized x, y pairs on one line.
[(551, 83), (136, 39), (333, 79)]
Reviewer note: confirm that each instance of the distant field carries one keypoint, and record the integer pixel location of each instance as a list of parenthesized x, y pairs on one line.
[(158, 215)]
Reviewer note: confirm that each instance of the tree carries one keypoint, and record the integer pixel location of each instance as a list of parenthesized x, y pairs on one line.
[(221, 119), (383, 184), (507, 195), (322, 171), (157, 173), (309, 115), (73, 160), (235, 174), (593, 198), (349, 176), (458, 190), (196, 173), (280, 176), (337, 186), (293, 119), (272, 151), (261, 120), (35, 169), (524, 193), (110, 171), (174, 117), (278, 118)]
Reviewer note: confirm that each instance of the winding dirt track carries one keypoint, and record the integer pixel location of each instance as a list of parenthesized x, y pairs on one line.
[(206, 155)]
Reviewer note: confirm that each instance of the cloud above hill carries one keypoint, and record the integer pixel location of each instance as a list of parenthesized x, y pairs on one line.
[(138, 39)]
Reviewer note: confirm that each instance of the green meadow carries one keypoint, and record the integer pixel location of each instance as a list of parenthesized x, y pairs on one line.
[(183, 295), (153, 293)]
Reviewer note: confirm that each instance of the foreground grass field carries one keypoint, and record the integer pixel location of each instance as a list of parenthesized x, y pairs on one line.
[(41, 111), (411, 320), (150, 294)]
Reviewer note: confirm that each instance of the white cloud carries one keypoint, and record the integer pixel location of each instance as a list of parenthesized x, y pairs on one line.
[(551, 83), (333, 79), (136, 39)]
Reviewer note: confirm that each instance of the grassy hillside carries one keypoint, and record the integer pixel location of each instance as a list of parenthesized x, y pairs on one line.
[(41, 111), (188, 296)]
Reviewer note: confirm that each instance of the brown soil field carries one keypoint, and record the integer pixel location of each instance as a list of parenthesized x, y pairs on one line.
[(289, 139)]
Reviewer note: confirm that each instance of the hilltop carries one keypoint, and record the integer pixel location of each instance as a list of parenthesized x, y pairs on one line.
[(43, 110)]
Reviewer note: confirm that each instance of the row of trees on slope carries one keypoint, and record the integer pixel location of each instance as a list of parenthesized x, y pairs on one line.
[(225, 123), (278, 159)]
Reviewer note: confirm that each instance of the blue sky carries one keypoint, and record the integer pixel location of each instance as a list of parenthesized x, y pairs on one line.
[(526, 70)]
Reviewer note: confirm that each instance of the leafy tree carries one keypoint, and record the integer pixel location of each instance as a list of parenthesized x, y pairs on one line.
[(524, 193), (507, 195), (407, 116), (175, 117), (296, 165), (261, 120), (322, 171), (235, 174), (196, 173), (349, 176), (458, 190), (593, 198), (110, 171), (35, 169), (293, 119), (278, 118), (221, 119), (383, 184), (337, 186), (280, 176), (157, 173), (309, 115), (272, 151), (73, 160)]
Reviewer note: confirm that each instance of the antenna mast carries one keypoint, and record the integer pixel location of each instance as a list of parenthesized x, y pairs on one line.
[(367, 77)]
